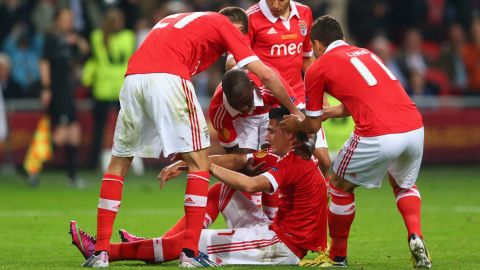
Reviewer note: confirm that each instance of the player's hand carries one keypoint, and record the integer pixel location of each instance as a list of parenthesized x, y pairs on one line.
[(290, 123), (254, 170), (171, 171)]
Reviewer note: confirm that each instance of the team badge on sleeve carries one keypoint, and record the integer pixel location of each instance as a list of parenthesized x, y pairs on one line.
[(303, 27)]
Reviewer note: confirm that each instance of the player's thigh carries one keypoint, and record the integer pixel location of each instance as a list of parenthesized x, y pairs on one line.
[(135, 132), (361, 162), (256, 245), (240, 211), (405, 168), (177, 114)]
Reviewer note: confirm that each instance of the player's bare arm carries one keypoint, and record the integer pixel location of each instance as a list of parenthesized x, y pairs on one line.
[(337, 111), (272, 82), (230, 161), (292, 123), (307, 62), (240, 181)]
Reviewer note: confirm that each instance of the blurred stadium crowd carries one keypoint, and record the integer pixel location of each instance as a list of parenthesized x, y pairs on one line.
[(432, 47)]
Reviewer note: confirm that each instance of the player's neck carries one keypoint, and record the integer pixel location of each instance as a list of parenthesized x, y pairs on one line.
[(286, 14)]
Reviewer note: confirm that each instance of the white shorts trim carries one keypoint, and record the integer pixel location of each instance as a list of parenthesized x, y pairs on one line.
[(159, 113), (251, 131), (364, 161)]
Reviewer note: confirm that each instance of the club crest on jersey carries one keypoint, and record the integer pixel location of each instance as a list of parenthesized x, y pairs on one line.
[(303, 27)]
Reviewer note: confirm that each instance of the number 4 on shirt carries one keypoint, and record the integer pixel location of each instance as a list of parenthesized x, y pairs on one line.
[(365, 72)]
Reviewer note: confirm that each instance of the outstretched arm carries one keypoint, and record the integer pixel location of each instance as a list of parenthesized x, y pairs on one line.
[(240, 181)]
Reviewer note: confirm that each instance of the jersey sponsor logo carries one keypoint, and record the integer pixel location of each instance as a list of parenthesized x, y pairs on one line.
[(289, 36), (284, 49), (272, 31), (303, 27)]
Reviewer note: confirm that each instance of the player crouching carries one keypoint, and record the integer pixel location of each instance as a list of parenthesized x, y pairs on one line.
[(300, 224)]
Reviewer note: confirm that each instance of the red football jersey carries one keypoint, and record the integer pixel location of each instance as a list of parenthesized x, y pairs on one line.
[(186, 44), (358, 78), (282, 43), (222, 114), (301, 220)]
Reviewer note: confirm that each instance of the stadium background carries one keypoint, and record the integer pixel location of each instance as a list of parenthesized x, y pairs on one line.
[(442, 35)]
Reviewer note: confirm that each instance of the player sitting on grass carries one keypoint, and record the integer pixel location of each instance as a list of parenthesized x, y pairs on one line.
[(302, 204)]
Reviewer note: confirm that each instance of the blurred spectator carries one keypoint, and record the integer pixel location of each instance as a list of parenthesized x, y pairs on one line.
[(471, 58), (4, 72), (367, 19), (25, 48), (451, 61), (62, 51), (418, 86), (42, 15), (8, 87), (12, 12), (111, 48), (382, 47), (411, 57)]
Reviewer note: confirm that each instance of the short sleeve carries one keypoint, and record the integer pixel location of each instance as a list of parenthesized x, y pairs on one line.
[(276, 176), (222, 121), (314, 89), (237, 44)]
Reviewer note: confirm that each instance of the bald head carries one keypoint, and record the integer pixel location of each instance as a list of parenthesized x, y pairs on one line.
[(238, 90)]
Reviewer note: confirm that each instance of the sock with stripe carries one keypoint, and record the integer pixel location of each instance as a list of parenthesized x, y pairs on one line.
[(211, 212), (108, 205), (341, 213), (194, 204), (409, 204), (154, 250)]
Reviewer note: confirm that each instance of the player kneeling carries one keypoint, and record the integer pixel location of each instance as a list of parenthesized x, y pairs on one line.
[(300, 224)]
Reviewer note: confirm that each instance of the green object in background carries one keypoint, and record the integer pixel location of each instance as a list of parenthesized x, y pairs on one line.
[(105, 70), (337, 130)]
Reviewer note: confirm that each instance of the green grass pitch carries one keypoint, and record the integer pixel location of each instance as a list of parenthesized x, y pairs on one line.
[(34, 223)]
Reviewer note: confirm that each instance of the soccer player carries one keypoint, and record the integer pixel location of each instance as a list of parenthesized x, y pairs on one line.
[(239, 111), (279, 33), (302, 204), (388, 135), (160, 112)]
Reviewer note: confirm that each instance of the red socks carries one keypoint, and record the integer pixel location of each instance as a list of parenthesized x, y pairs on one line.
[(108, 205), (151, 250), (409, 204), (341, 213), (211, 213), (194, 205)]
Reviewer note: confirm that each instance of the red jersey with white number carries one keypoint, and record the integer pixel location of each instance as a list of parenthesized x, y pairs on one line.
[(186, 44), (222, 114), (282, 43), (358, 78), (301, 221)]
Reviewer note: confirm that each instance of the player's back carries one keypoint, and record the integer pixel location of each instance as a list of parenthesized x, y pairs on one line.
[(358, 78), (185, 44)]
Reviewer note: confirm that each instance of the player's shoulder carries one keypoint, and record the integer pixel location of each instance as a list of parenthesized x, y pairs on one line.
[(255, 8)]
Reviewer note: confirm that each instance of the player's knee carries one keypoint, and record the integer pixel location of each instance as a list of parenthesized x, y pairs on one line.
[(341, 183), (197, 160)]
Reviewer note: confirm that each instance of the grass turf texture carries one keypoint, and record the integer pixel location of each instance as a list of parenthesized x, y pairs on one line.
[(34, 222)]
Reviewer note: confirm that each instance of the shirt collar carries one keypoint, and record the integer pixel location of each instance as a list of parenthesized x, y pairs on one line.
[(266, 11), (257, 102), (335, 44)]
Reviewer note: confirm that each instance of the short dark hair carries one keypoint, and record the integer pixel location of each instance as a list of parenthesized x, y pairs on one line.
[(278, 113), (236, 15), (326, 30), (234, 83)]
